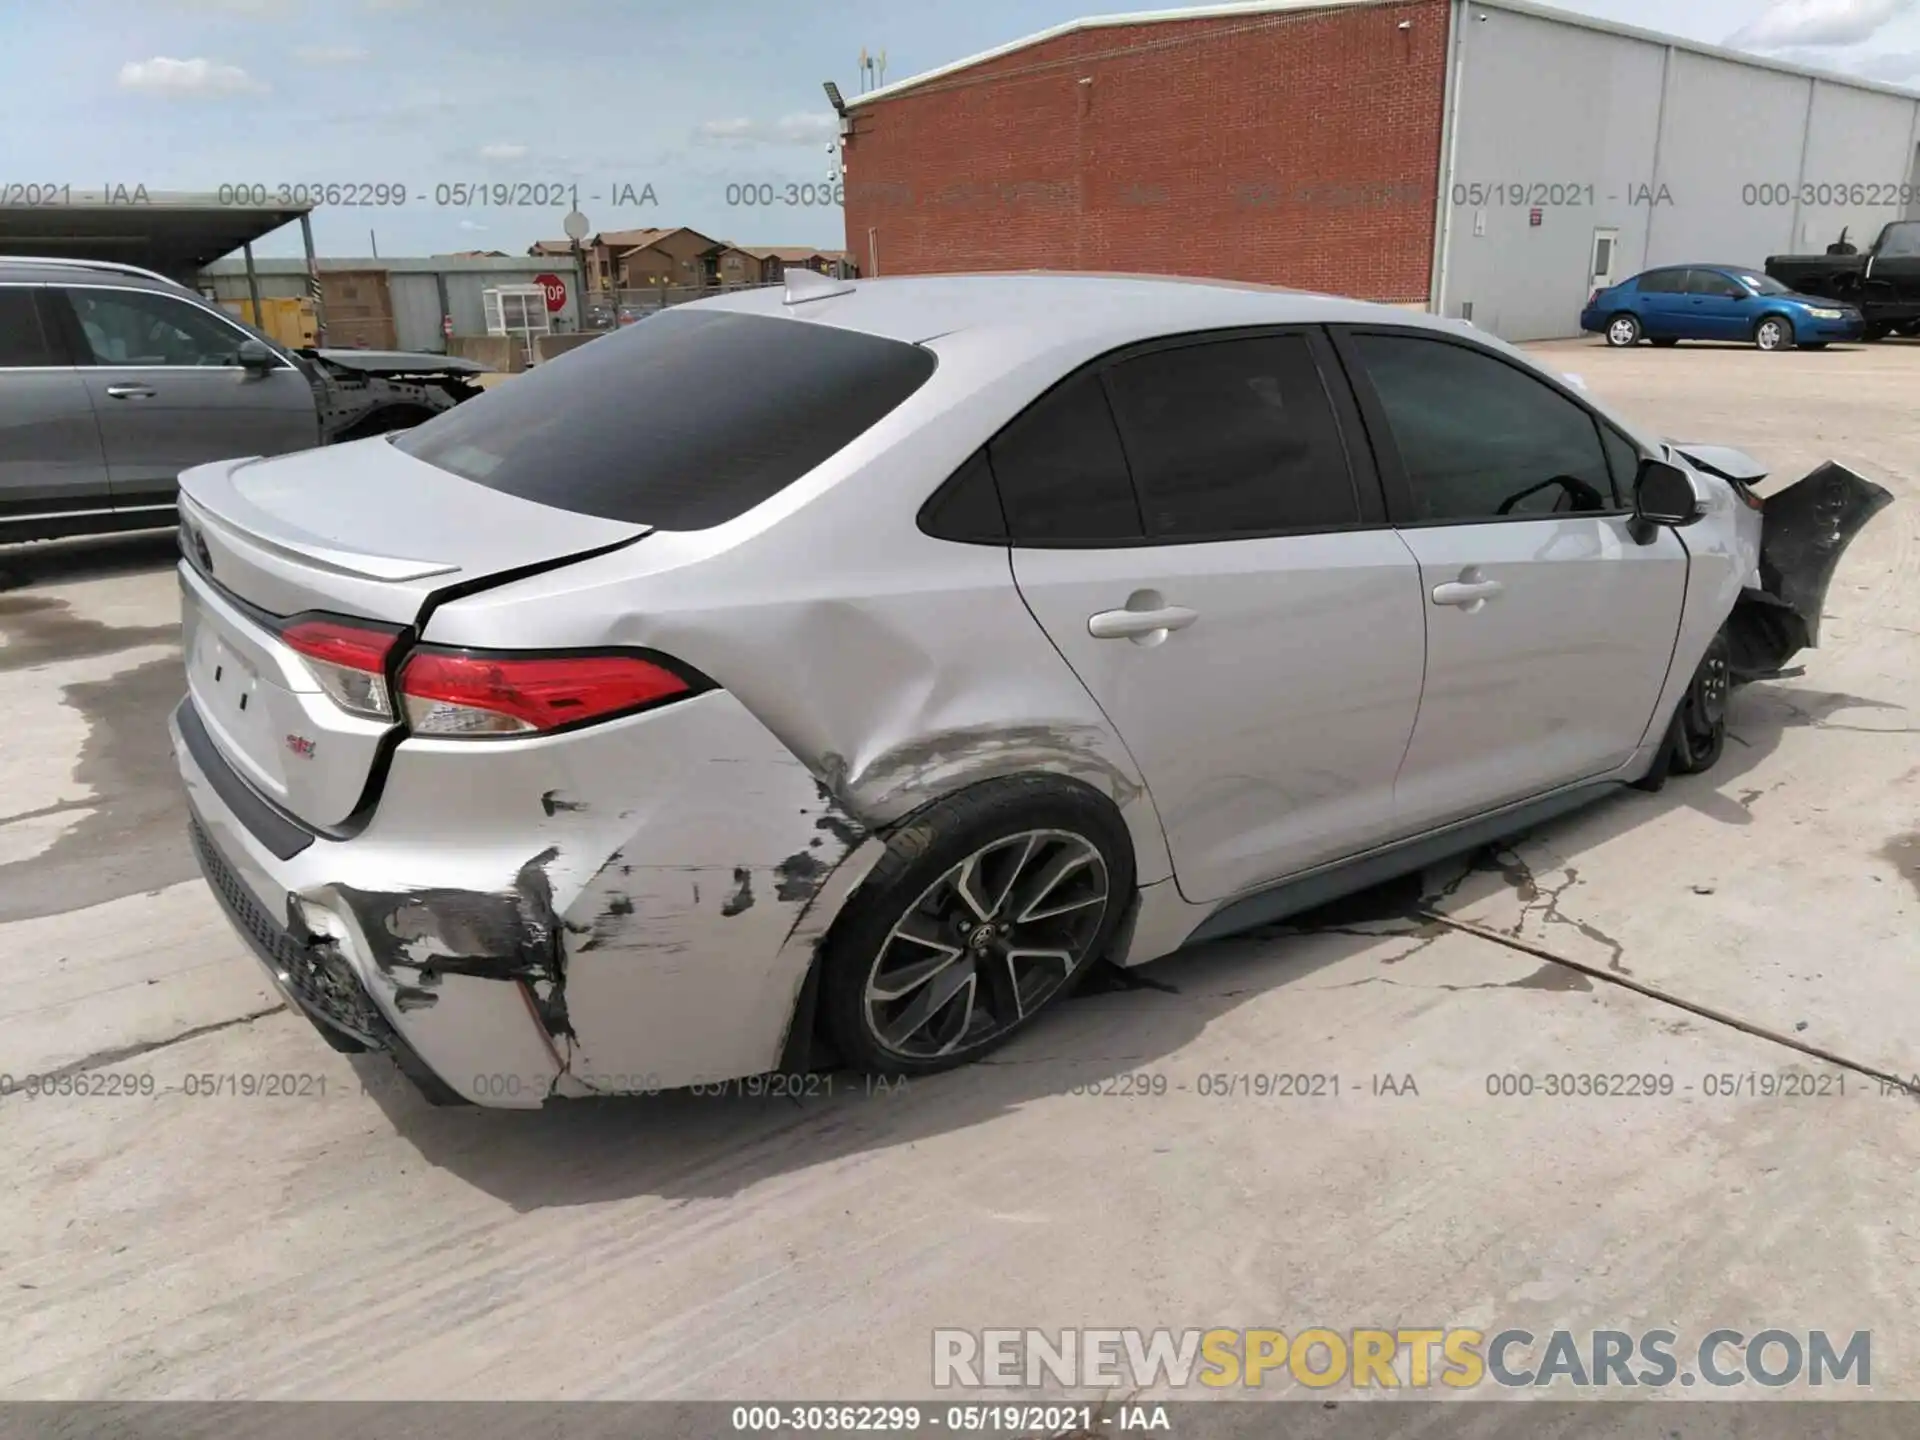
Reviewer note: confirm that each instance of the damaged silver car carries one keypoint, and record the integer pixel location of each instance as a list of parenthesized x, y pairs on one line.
[(838, 674)]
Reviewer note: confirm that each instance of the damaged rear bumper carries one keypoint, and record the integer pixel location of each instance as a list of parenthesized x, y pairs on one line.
[(1805, 530), (627, 910)]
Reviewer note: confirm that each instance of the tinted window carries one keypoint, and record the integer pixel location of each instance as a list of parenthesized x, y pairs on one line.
[(138, 327), (1712, 282), (1479, 438), (967, 507), (1663, 282), (1902, 240), (1623, 459), (22, 341), (1232, 437), (681, 423), (1062, 473)]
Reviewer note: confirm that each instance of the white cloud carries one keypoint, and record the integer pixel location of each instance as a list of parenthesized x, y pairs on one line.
[(329, 54), (471, 225), (503, 152), (1892, 67), (798, 129), (163, 75), (1817, 22)]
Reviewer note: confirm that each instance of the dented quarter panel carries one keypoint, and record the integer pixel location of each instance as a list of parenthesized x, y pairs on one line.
[(898, 667)]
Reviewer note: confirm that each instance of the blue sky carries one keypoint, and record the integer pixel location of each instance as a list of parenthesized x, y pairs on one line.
[(689, 99)]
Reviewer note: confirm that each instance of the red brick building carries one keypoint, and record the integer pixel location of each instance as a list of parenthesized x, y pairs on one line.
[(1290, 146)]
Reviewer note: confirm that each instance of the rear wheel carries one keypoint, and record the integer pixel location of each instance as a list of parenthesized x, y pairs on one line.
[(1623, 330), (986, 908), (1774, 333)]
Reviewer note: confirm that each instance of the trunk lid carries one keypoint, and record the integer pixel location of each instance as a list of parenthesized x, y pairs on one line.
[(362, 531)]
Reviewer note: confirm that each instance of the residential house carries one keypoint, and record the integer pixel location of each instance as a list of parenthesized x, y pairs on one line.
[(776, 260), (677, 258)]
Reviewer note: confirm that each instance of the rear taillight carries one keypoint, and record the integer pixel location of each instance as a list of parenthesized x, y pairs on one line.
[(348, 660), (455, 693), (1593, 299)]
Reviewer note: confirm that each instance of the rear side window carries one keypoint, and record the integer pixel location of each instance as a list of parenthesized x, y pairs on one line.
[(682, 423), (1063, 476), (22, 340), (1232, 437), (1663, 282)]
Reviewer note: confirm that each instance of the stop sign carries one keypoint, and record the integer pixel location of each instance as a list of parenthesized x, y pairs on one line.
[(556, 289)]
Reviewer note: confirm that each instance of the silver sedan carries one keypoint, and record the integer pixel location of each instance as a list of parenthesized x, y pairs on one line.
[(837, 675)]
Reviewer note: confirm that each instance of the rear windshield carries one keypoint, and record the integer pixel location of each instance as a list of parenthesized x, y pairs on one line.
[(685, 421)]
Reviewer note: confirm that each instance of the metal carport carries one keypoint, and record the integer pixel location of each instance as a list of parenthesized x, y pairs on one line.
[(171, 232)]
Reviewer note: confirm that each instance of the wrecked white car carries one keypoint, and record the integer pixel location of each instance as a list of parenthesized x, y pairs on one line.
[(839, 674)]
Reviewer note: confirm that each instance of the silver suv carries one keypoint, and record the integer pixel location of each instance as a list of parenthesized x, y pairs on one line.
[(114, 379)]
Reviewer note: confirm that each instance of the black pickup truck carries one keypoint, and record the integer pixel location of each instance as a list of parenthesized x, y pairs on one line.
[(1883, 284)]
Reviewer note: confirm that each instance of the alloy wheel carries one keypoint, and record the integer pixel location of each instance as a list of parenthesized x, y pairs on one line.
[(1622, 332), (1770, 336), (987, 944)]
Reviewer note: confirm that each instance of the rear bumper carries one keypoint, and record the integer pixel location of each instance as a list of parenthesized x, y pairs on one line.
[(627, 909)]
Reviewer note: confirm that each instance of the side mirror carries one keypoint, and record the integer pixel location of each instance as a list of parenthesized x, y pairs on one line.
[(256, 356), (1663, 495)]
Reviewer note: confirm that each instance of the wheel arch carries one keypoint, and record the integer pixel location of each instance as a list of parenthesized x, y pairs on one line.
[(807, 1044)]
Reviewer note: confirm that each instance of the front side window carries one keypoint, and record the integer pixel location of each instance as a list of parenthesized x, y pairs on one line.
[(1232, 437), (23, 340), (139, 327), (1900, 241), (1478, 438), (1712, 282)]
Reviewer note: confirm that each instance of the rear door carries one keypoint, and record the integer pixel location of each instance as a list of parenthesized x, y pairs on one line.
[(50, 457), (1549, 628), (1665, 306), (1721, 309), (166, 382), (1201, 543)]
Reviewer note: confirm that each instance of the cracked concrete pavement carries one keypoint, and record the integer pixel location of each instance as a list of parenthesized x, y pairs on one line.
[(347, 1241)]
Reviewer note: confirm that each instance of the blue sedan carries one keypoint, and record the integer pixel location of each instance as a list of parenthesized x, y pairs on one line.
[(1716, 302)]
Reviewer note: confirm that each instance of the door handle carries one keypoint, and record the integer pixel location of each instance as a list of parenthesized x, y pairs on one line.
[(1469, 592), (1140, 624), (129, 392)]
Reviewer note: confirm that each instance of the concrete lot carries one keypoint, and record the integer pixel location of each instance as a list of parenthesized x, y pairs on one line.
[(353, 1242)]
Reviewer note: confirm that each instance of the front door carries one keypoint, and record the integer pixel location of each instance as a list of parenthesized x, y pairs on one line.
[(1721, 308), (50, 457), (1193, 535), (1549, 629), (166, 382)]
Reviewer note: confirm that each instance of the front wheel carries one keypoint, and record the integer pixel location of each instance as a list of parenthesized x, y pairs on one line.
[(987, 907), (1773, 333), (1665, 344), (1700, 724), (1877, 332), (1623, 330), (1814, 345)]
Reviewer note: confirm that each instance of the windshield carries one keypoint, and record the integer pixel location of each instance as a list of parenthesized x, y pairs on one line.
[(1761, 284)]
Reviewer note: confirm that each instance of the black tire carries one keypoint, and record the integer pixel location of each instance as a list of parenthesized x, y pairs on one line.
[(1699, 730), (1665, 344), (1773, 333), (1623, 330), (912, 886), (1878, 331)]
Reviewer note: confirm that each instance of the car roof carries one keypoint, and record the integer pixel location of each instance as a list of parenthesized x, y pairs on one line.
[(1057, 306), (58, 270)]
